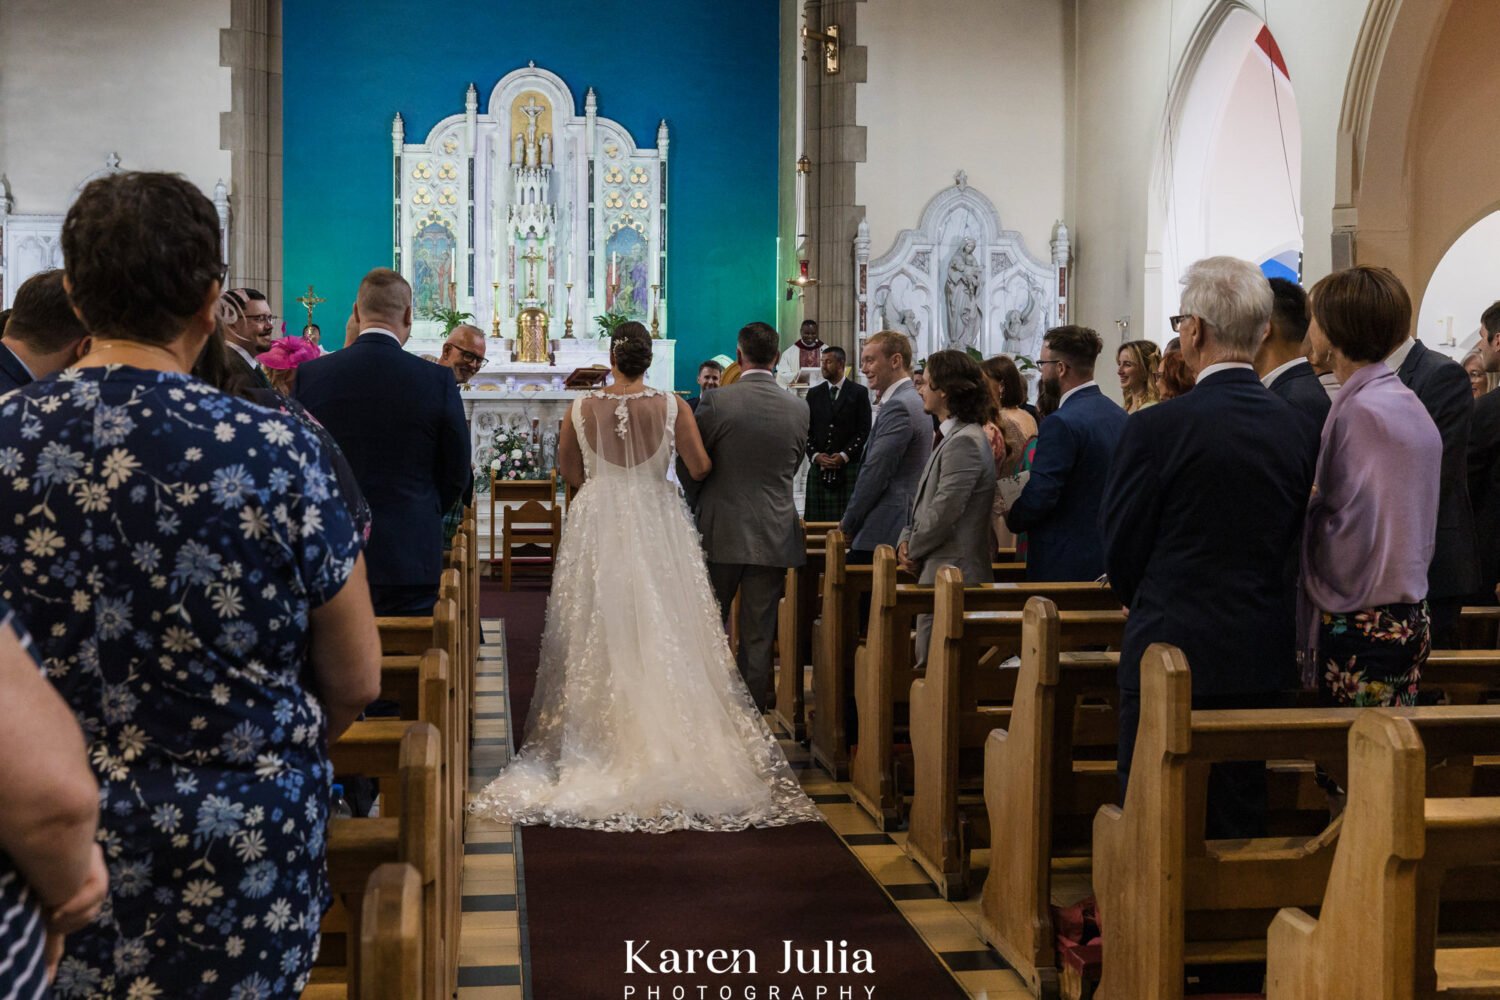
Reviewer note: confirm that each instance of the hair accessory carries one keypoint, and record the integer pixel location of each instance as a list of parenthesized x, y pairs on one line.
[(287, 353)]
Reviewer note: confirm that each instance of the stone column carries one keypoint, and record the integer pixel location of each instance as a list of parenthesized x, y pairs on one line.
[(251, 131), (834, 143)]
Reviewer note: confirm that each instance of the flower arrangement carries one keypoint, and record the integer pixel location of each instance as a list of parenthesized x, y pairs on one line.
[(517, 456)]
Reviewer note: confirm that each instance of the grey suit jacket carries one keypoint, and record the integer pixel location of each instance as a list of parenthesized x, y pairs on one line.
[(897, 450), (950, 516), (755, 432)]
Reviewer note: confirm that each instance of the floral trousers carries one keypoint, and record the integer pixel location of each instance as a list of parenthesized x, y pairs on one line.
[(1374, 657)]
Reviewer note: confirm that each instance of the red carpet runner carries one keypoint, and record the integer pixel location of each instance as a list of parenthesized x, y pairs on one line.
[(589, 893)]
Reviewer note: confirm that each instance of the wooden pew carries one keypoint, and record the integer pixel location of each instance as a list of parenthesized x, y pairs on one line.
[(407, 756), (1168, 897), (954, 707), (1376, 934), (390, 941), (1479, 627), (1045, 776), (883, 666), (794, 619)]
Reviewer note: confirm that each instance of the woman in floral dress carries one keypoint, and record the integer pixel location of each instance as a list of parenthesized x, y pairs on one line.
[(194, 586)]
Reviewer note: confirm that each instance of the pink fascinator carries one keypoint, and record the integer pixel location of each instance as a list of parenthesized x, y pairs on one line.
[(288, 353)]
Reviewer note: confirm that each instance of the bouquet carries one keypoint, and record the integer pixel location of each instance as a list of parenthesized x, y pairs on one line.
[(517, 456)]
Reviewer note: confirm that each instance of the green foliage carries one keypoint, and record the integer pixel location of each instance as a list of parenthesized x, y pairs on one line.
[(608, 321), (449, 318)]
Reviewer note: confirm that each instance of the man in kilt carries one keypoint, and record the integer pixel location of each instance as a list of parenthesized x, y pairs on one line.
[(840, 409)]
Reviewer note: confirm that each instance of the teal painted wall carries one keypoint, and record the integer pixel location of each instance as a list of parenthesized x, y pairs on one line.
[(709, 69)]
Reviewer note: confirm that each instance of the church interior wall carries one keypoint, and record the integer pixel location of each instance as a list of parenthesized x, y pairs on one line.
[(711, 71), (1464, 284), (1126, 55), (84, 79), (972, 85)]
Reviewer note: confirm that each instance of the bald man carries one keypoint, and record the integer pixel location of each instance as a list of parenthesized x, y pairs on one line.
[(463, 352), (400, 423)]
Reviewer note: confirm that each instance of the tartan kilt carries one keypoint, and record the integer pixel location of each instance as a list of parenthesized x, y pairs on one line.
[(827, 503)]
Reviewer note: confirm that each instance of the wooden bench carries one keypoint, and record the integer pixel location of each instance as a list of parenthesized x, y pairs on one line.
[(884, 667), (1167, 896), (1376, 932), (407, 755), (794, 618), (1045, 776), (390, 941), (962, 697)]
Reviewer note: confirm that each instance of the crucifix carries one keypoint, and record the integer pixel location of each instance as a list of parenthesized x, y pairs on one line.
[(308, 301), (532, 257)]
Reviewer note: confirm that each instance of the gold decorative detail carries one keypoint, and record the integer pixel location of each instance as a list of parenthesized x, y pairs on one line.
[(449, 145), (638, 200), (518, 119), (448, 172), (531, 336), (613, 199), (422, 197), (308, 301), (448, 197), (639, 175), (611, 150), (421, 172), (613, 175)]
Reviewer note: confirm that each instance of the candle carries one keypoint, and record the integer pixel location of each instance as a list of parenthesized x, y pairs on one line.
[(570, 266), (614, 268)]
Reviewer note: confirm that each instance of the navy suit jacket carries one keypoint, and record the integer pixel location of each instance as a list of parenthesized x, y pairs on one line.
[(1300, 389), (13, 374), (1059, 508), (400, 423), (1204, 502), (1443, 387), (1484, 491)]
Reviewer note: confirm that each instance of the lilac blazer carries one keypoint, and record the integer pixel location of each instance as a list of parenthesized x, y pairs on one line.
[(1372, 523)]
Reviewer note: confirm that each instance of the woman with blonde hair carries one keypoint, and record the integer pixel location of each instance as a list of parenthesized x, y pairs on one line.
[(1136, 362)]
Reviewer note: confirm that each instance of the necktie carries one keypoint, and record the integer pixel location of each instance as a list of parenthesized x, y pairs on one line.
[(833, 394)]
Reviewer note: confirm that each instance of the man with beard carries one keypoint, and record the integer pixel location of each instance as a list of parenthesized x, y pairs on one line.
[(1059, 506), (248, 328)]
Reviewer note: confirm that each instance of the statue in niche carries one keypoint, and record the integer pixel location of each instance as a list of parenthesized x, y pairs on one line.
[(1018, 321), (893, 317), (518, 151), (532, 111), (547, 150), (962, 293)]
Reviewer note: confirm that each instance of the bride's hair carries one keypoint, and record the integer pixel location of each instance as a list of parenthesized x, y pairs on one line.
[(630, 349)]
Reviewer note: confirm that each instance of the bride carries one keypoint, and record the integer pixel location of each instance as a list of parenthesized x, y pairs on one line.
[(640, 719)]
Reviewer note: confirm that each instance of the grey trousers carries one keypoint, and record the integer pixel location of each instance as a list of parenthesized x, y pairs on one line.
[(760, 589)]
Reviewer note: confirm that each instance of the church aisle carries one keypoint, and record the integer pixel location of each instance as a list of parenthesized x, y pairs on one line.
[(552, 920)]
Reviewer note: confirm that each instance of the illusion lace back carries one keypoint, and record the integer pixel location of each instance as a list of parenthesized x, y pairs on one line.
[(640, 720)]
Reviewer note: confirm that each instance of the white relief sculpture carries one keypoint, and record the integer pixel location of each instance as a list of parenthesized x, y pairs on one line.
[(547, 149), (518, 151), (962, 296)]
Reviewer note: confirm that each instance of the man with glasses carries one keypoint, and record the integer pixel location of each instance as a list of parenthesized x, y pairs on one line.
[(249, 324), (463, 352), (1059, 506)]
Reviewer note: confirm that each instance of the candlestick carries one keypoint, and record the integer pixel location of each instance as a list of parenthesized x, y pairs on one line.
[(568, 305), (495, 308)]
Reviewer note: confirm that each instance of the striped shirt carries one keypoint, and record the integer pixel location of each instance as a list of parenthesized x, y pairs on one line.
[(23, 937)]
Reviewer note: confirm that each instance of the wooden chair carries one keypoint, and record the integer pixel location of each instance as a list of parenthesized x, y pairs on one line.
[(955, 706), (506, 492), (1167, 896), (884, 667), (532, 523)]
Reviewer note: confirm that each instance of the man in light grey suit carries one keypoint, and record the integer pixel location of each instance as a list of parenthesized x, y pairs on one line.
[(900, 441), (755, 432), (950, 517)]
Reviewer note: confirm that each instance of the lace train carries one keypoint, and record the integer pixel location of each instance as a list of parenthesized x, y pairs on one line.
[(640, 720)]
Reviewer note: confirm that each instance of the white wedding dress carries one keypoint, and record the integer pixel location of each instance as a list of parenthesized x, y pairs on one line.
[(640, 720)]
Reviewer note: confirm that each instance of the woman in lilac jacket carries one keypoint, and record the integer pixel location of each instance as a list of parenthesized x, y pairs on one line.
[(1372, 522)]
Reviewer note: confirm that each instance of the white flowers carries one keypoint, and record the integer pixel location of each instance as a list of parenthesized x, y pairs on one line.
[(515, 453)]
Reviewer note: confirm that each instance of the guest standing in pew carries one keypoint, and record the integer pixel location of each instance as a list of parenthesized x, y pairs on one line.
[(42, 336), (1443, 387), (195, 590), (900, 441), (1373, 519), (249, 327), (1203, 505), (1484, 471), (1059, 506), (1281, 359), (950, 515), (839, 409), (52, 873), (400, 423)]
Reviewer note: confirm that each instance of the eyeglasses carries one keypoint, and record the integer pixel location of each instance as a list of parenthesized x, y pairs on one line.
[(1049, 361), (269, 319), (477, 360), (1176, 321)]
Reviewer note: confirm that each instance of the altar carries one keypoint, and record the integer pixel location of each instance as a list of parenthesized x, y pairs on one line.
[(540, 226)]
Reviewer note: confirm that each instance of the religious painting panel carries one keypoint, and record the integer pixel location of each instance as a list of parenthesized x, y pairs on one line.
[(434, 259), (628, 274)]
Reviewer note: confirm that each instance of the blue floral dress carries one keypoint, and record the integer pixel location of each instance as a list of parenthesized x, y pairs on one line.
[(165, 543), (23, 935)]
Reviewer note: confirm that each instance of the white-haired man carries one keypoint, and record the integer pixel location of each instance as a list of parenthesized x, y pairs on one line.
[(1202, 509)]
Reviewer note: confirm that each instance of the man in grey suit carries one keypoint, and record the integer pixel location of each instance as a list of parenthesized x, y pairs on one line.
[(950, 516), (899, 444), (755, 432)]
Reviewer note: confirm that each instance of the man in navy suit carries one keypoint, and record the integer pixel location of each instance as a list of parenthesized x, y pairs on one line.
[(1281, 359), (1443, 387), (1059, 506), (1484, 469), (709, 374), (400, 423), (43, 335), (1204, 502)]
